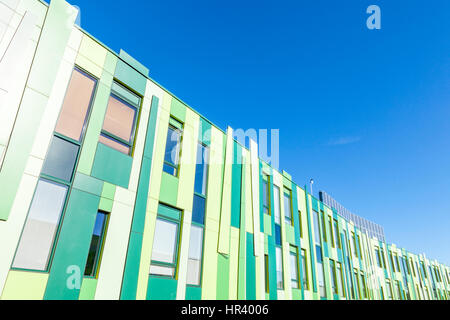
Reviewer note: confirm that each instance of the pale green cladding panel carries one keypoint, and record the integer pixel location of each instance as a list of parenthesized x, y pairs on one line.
[(52, 44)]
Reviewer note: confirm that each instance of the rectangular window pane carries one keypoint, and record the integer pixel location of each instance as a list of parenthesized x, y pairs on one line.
[(288, 206), (165, 241), (172, 153), (201, 171), (316, 227), (119, 119), (277, 235), (76, 105), (162, 271), (107, 141), (334, 285), (276, 207), (198, 209), (60, 160), (279, 268), (340, 278), (294, 270), (195, 256), (336, 234), (266, 272), (304, 271), (98, 237), (38, 235)]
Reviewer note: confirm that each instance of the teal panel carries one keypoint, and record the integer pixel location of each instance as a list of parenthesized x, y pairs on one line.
[(193, 293), (271, 246), (312, 246), (88, 184), (161, 288), (112, 166), (130, 77), (169, 212), (133, 62), (250, 269), (205, 131), (78, 221), (131, 272), (140, 207), (236, 182), (295, 215)]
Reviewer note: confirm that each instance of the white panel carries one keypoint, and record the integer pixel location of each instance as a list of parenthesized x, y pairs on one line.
[(114, 252), (255, 196)]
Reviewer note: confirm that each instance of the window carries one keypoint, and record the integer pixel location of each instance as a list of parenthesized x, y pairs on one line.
[(266, 194), (288, 206), (399, 290), (279, 267), (340, 279), (266, 273), (305, 282), (334, 285), (359, 246), (119, 125), (165, 244), (60, 160), (412, 267), (336, 234), (73, 115), (201, 171), (389, 290), (397, 263), (294, 267), (194, 265), (392, 260), (377, 255), (324, 229), (35, 246), (354, 246), (316, 227), (277, 235), (363, 284), (358, 284), (276, 207), (383, 260), (173, 148), (198, 209), (320, 272), (96, 247)]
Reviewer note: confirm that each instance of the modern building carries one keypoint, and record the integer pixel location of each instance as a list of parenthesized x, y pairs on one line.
[(113, 188)]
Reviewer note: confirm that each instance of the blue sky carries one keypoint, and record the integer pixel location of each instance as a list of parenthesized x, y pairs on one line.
[(365, 113)]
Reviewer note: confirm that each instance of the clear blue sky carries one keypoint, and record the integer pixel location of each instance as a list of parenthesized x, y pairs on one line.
[(365, 113)]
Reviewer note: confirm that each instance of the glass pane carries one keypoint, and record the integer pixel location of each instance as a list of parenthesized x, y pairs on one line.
[(119, 119), (198, 209), (279, 268), (172, 146), (76, 105), (195, 256), (287, 207), (162, 271), (265, 194), (294, 271), (40, 228), (60, 159), (278, 235), (276, 199), (165, 241), (114, 144), (316, 227), (201, 169), (96, 244)]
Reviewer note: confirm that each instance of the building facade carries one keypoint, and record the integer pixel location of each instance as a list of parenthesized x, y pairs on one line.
[(113, 188)]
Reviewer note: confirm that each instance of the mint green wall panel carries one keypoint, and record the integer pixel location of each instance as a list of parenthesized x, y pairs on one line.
[(295, 215), (178, 110), (236, 183), (88, 184), (223, 276), (130, 77), (193, 293), (78, 221), (88, 288), (250, 269), (169, 189), (112, 166), (133, 62), (205, 132), (273, 295), (161, 289)]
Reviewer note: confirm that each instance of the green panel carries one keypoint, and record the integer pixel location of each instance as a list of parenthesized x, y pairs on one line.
[(223, 277), (312, 246), (79, 220), (296, 294), (290, 234), (125, 94), (236, 184), (112, 166), (133, 62), (88, 184), (250, 269), (267, 224), (273, 293), (161, 289), (88, 288), (47, 59), (295, 215), (141, 197), (105, 205), (178, 110), (169, 189), (242, 245), (130, 77), (109, 190), (130, 277), (193, 293)]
